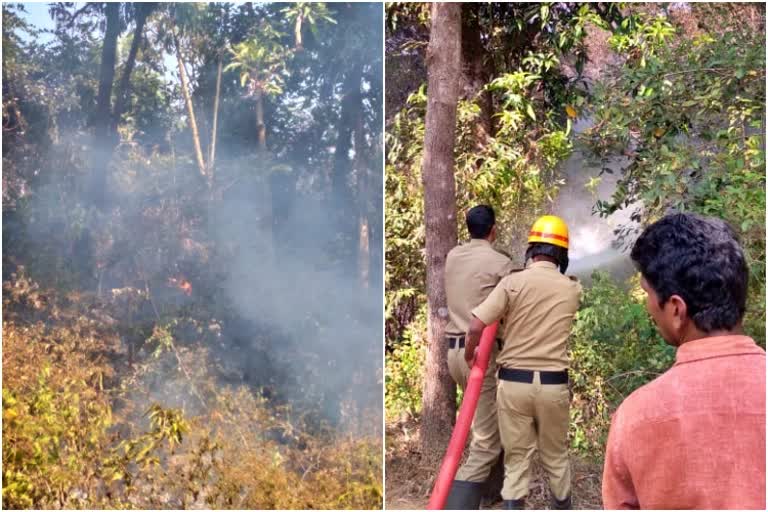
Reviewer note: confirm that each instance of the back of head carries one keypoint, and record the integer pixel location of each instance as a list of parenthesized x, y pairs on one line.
[(480, 221), (559, 254), (549, 237), (699, 259)]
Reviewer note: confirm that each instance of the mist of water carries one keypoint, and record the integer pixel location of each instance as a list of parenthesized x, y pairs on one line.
[(593, 239)]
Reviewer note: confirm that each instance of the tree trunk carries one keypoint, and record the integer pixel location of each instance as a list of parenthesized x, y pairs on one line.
[(363, 246), (190, 108), (375, 221), (101, 122), (477, 69), (343, 193), (107, 71), (142, 12), (297, 32), (444, 70), (261, 128), (212, 155)]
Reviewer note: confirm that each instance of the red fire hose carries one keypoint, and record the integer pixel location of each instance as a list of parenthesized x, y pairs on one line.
[(466, 413)]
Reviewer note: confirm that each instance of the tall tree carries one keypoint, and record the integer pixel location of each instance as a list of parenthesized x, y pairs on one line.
[(444, 70), (343, 193), (190, 108)]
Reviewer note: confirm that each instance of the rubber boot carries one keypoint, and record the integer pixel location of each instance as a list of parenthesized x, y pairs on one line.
[(564, 504), (464, 496), (514, 504)]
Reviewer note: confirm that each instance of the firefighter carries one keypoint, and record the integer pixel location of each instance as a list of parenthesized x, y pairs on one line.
[(472, 271), (537, 306)]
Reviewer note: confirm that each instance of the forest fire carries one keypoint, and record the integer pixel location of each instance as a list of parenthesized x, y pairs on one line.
[(217, 142), (182, 284)]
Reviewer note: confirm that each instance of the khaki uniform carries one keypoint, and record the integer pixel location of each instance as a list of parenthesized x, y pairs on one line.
[(472, 271), (537, 306)]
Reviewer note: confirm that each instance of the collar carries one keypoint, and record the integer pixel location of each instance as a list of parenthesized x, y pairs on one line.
[(542, 264), (716, 346), (479, 242)]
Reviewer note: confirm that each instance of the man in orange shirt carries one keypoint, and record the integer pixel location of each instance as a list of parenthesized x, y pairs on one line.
[(694, 438)]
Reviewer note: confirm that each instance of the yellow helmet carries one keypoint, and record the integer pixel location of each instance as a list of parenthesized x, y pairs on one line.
[(549, 230)]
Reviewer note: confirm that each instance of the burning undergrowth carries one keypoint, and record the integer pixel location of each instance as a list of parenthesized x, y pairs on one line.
[(174, 427), (193, 350), (192, 255)]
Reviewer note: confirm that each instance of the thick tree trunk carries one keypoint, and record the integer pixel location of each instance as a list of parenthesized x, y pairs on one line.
[(444, 69), (190, 108), (343, 193), (477, 69), (123, 89)]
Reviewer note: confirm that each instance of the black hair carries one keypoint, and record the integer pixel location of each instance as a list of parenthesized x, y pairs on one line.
[(560, 254), (480, 220), (699, 259)]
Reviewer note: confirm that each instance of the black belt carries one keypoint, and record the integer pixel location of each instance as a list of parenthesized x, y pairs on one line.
[(453, 340), (460, 340), (545, 377)]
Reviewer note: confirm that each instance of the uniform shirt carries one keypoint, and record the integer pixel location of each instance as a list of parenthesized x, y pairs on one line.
[(694, 438), (472, 270), (537, 306)]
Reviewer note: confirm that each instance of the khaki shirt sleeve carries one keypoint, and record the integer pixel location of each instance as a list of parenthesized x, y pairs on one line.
[(493, 307)]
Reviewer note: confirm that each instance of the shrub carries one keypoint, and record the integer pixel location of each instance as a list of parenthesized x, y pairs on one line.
[(404, 372), (614, 349)]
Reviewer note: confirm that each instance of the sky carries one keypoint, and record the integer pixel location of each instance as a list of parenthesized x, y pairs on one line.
[(37, 15)]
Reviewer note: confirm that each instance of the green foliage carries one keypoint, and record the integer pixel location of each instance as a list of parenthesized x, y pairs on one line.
[(614, 349), (261, 61), (51, 432), (58, 424), (311, 12), (688, 113), (404, 371), (404, 225)]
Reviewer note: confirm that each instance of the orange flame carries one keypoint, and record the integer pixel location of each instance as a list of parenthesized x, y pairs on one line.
[(182, 284)]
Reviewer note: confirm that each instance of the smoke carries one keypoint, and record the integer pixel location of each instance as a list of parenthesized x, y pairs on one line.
[(595, 242), (324, 326), (263, 294)]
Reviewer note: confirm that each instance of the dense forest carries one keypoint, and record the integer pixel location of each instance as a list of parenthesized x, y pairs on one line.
[(607, 114), (192, 255)]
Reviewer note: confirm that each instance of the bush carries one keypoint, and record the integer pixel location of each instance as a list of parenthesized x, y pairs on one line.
[(614, 349), (60, 446), (404, 371), (76, 436)]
